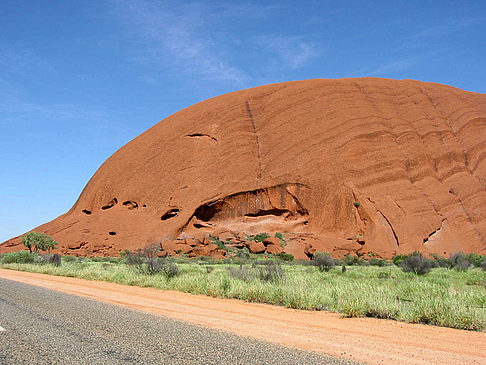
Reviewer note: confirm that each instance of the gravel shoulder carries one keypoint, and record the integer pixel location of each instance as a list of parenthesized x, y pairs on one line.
[(367, 340)]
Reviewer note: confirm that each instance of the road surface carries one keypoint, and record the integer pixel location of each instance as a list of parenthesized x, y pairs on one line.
[(43, 326)]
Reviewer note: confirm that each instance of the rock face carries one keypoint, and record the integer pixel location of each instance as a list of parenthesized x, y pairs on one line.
[(346, 166)]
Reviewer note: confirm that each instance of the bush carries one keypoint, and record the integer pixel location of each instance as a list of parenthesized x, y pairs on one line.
[(398, 259), (416, 263), (462, 265), (170, 269), (55, 259), (38, 241), (439, 261), (20, 257), (483, 265), (475, 259), (458, 261), (69, 258), (260, 237), (350, 260), (378, 262), (286, 256), (242, 273), (135, 259), (151, 266), (272, 272), (323, 261)]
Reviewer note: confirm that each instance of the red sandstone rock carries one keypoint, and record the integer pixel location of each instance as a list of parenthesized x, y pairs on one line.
[(271, 241), (256, 247), (274, 249), (397, 165)]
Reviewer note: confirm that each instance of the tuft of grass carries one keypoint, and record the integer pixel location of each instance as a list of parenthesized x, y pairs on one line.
[(443, 297)]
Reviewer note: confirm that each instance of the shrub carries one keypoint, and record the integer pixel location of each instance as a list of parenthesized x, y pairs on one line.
[(462, 265), (416, 263), (439, 261), (242, 273), (151, 266), (398, 259), (475, 259), (323, 261), (242, 255), (378, 262), (286, 256), (260, 237), (38, 241), (55, 259), (350, 260), (20, 257), (170, 269), (134, 258), (458, 261), (69, 258), (272, 272), (151, 251)]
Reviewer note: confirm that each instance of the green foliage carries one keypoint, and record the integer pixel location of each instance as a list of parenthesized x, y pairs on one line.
[(260, 237), (350, 260), (416, 263), (286, 256), (280, 236), (443, 297), (475, 259), (69, 258), (439, 261), (38, 241), (378, 262), (397, 260), (20, 257), (356, 204), (483, 266)]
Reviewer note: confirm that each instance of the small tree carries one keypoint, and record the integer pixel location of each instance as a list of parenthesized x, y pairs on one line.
[(38, 241)]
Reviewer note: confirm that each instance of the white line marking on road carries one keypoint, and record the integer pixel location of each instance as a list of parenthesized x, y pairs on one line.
[(2, 329)]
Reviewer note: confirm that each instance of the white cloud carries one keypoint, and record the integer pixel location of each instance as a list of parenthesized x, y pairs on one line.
[(292, 51), (178, 35), (447, 28)]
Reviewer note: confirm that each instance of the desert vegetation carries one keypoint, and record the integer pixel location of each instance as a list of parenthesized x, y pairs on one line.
[(438, 291)]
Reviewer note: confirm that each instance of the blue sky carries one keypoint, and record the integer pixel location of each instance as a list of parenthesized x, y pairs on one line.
[(79, 79)]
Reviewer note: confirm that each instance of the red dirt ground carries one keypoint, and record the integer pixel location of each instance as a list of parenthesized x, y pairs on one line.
[(368, 340)]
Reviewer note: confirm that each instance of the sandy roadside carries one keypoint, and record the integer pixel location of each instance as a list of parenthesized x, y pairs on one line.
[(361, 339)]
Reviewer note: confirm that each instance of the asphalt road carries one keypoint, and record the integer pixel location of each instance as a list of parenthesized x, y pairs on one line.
[(49, 327)]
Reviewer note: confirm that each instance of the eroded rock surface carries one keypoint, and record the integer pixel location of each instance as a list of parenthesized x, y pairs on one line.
[(351, 165)]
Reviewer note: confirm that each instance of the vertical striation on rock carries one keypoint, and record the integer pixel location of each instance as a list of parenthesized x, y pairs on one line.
[(370, 165)]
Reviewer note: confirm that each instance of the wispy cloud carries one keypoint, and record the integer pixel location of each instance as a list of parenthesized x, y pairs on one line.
[(449, 27), (391, 67), (293, 51), (177, 35), (191, 38)]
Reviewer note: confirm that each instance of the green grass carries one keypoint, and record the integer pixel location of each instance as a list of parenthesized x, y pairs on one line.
[(443, 297)]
